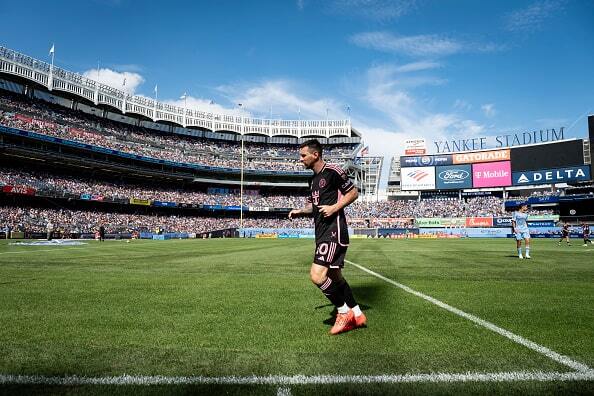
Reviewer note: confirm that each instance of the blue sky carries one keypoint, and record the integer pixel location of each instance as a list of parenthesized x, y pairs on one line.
[(407, 69)]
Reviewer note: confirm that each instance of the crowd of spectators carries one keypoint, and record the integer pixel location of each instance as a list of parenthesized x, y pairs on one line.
[(61, 185), (538, 193), (52, 120), (67, 221), (443, 207), (399, 214), (360, 213)]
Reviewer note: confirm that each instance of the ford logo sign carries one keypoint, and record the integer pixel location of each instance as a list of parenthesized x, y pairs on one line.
[(453, 175)]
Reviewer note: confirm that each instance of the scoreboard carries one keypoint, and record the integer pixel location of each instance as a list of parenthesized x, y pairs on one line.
[(558, 162)]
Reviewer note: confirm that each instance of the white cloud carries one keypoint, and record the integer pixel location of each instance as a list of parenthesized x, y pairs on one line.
[(300, 4), (282, 96), (421, 45), (377, 10), (207, 105), (461, 104), (417, 66), (116, 79), (408, 116), (533, 17), (489, 110)]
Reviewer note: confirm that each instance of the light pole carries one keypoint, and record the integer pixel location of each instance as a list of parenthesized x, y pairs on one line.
[(185, 98), (239, 105), (50, 80)]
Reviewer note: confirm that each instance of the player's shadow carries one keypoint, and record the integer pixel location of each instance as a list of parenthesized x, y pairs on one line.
[(366, 296)]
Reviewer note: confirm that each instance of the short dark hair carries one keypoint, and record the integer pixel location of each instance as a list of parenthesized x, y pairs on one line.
[(312, 145)]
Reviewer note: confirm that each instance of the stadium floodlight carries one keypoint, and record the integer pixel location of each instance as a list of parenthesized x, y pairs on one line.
[(50, 80), (185, 98), (240, 105)]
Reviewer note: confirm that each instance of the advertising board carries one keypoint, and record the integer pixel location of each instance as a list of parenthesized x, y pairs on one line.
[(481, 156), (479, 222), (23, 190), (426, 160), (136, 201), (165, 204), (547, 176), (425, 222), (415, 147), (548, 156), (491, 174), (502, 221), (454, 177), (418, 178)]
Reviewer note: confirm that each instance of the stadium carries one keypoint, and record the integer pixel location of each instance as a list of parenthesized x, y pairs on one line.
[(202, 279)]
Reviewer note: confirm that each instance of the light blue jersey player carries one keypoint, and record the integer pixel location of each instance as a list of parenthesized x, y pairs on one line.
[(521, 231)]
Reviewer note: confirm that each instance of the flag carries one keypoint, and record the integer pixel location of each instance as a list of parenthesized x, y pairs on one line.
[(364, 152), (239, 104), (124, 83), (52, 50), (184, 96)]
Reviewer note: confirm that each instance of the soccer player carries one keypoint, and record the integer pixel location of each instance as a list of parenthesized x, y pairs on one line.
[(586, 233), (50, 229), (565, 234), (331, 191), (521, 231)]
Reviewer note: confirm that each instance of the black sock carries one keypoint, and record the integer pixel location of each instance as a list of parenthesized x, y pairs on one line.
[(348, 294), (333, 292)]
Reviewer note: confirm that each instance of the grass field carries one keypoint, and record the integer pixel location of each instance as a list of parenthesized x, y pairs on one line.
[(212, 309)]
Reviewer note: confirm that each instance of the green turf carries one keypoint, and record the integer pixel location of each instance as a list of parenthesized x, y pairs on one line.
[(246, 307)]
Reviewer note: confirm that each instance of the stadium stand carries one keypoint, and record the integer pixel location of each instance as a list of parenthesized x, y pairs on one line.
[(51, 120)]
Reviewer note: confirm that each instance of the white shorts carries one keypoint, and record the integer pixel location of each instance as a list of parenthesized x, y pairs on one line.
[(522, 235)]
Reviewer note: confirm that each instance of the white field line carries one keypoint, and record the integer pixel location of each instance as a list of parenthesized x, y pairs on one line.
[(281, 380), (567, 361)]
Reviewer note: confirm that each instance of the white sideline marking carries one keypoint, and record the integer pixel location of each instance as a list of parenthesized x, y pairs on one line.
[(299, 379), (567, 361)]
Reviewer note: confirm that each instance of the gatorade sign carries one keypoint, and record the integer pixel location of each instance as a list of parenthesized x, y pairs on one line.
[(548, 176), (482, 156)]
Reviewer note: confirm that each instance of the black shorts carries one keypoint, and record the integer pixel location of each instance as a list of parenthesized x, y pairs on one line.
[(330, 254)]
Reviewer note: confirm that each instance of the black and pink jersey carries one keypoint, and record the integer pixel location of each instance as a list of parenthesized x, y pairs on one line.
[(327, 187)]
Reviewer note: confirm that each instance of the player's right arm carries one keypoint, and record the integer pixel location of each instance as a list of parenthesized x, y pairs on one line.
[(306, 210)]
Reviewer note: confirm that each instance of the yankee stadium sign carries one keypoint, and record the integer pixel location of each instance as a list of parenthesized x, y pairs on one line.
[(482, 143)]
